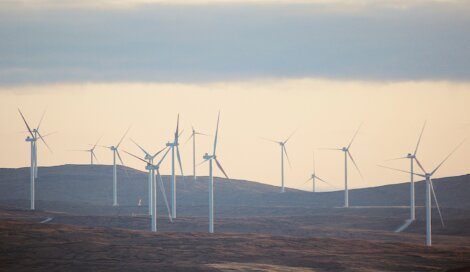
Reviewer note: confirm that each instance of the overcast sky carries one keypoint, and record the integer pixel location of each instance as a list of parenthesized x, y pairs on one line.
[(152, 41)]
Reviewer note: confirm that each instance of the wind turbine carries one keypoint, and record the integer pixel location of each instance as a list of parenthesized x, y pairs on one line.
[(149, 159), (314, 177), (412, 157), (115, 150), (282, 144), (92, 151), (429, 189), (151, 167), (211, 158), (193, 136), (347, 154), (32, 138), (174, 146)]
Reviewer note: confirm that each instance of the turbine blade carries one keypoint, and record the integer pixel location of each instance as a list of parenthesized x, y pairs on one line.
[(437, 203), (104, 146), (159, 151), (354, 137), (99, 139), (216, 133), (119, 157), (287, 156), (140, 147), (355, 164), (94, 156), (309, 179), (448, 156), (177, 126), (123, 136), (399, 158), (181, 132), (162, 190), (269, 140), (419, 139), (178, 156), (26, 123), (40, 120), (326, 182), (128, 153), (197, 165), (49, 134), (290, 136), (164, 156), (189, 138), (399, 170), (220, 167), (42, 139), (419, 164)]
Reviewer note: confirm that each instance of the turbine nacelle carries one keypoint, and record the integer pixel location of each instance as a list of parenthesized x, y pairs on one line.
[(113, 148), (345, 149), (208, 157), (152, 167), (30, 139)]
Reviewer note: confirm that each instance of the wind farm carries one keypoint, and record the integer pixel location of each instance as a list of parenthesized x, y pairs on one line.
[(226, 208), (235, 135)]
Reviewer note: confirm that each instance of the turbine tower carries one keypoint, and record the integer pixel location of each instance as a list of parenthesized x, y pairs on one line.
[(282, 144), (429, 189), (211, 158), (347, 154), (174, 146), (193, 136), (32, 139), (153, 196), (314, 177), (412, 158), (115, 150)]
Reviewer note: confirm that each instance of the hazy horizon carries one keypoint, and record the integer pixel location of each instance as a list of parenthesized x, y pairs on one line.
[(326, 113)]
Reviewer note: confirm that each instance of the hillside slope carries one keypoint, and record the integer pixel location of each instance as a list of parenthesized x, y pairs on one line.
[(90, 187)]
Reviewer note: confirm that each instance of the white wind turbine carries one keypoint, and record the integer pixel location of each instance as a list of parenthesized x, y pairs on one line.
[(347, 154), (314, 177), (92, 152), (429, 189), (149, 159), (193, 136), (35, 134), (282, 144), (115, 150), (412, 157), (211, 158), (174, 146), (151, 167)]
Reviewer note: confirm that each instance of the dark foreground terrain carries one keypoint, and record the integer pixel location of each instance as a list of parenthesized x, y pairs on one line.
[(299, 243), (58, 247), (257, 229)]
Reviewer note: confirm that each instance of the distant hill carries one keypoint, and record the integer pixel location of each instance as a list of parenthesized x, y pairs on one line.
[(86, 189)]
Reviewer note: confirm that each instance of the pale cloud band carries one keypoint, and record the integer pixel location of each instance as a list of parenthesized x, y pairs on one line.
[(152, 41)]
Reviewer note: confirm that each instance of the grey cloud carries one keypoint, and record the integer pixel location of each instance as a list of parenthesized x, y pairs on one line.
[(232, 42)]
